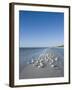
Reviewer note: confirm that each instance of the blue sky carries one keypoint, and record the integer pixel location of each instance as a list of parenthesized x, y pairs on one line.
[(41, 29)]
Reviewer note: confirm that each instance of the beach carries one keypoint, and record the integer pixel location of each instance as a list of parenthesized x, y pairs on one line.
[(41, 63)]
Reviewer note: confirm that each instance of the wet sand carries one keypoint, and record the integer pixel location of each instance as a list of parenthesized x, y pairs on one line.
[(34, 72)]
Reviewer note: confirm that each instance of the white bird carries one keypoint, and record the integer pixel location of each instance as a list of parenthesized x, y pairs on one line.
[(51, 61), (52, 65), (40, 65), (32, 61), (36, 63), (56, 59)]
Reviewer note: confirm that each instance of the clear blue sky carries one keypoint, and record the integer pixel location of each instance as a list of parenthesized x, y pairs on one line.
[(41, 29)]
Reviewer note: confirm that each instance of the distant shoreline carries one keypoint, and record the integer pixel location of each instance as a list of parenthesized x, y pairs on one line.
[(42, 47), (61, 46)]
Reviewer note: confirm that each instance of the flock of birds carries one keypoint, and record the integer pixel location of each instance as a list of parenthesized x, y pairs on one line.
[(43, 59)]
